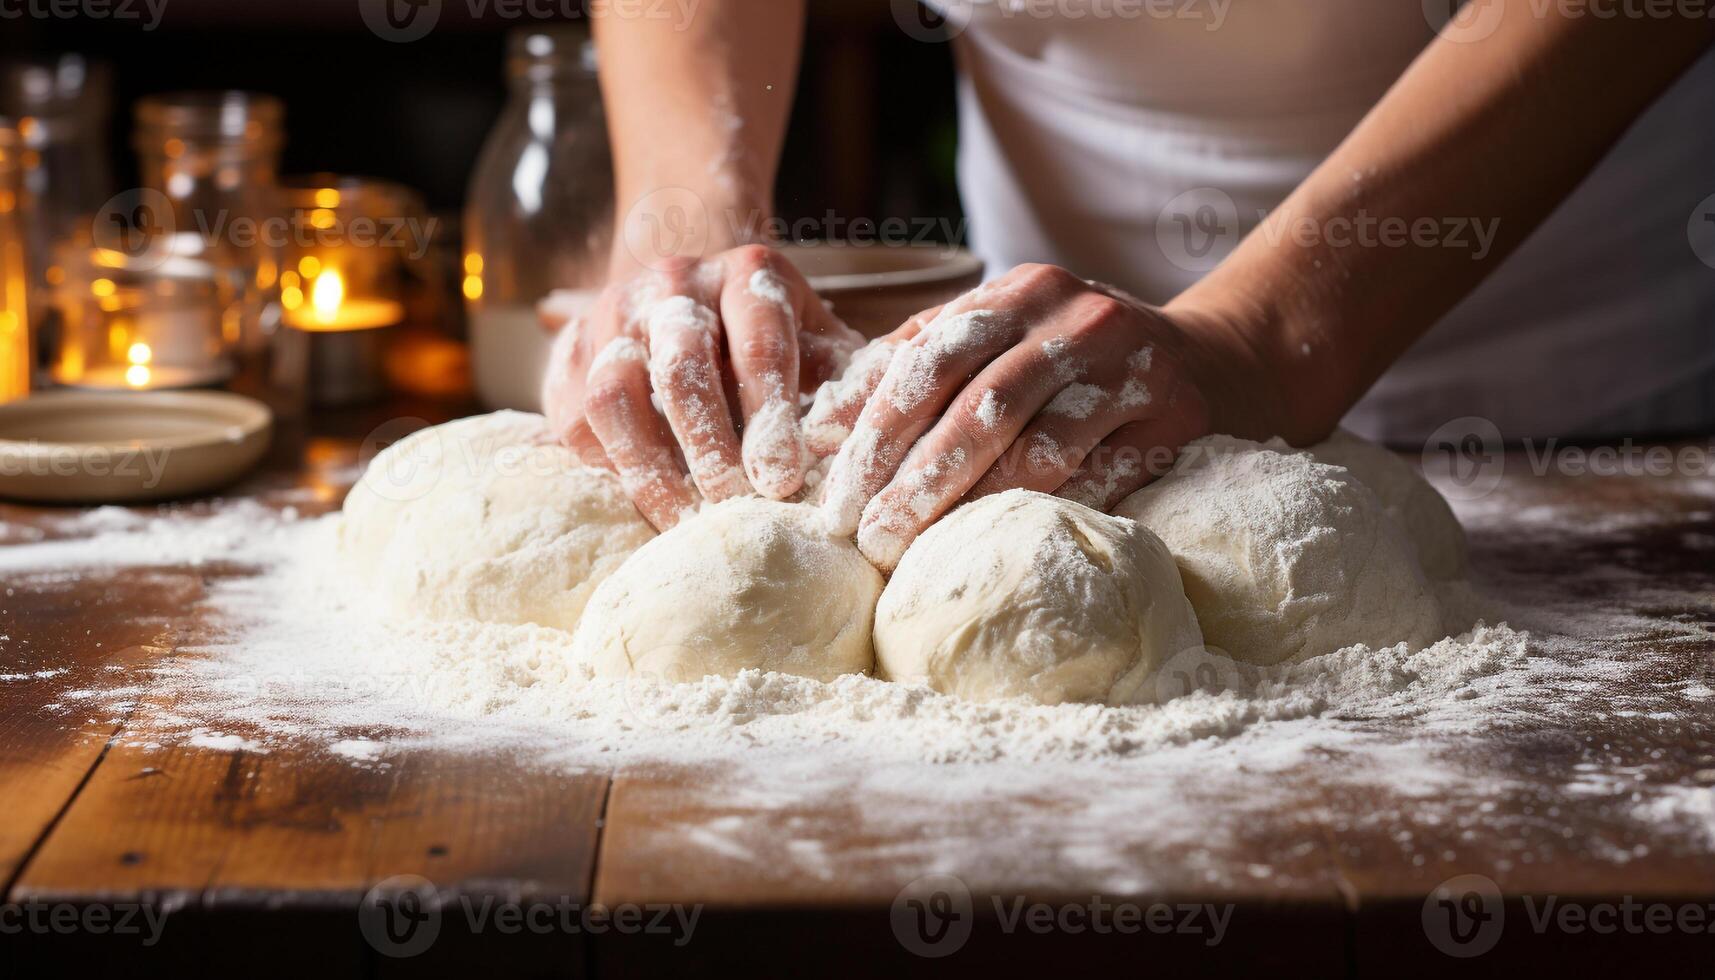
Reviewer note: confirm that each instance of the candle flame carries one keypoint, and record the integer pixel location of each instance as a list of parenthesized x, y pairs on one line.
[(328, 294), (137, 376), (139, 353)]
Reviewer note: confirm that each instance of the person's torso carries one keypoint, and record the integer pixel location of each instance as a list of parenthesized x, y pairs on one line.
[(1137, 141)]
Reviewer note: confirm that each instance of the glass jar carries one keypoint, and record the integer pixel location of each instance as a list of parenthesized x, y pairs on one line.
[(215, 156), (16, 365), (62, 106), (538, 214), (132, 326)]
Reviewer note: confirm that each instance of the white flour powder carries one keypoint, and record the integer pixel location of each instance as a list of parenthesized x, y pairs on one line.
[(1424, 736)]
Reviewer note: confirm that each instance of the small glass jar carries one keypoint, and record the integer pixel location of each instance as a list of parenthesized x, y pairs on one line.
[(16, 365), (130, 326), (539, 211), (215, 155), (62, 107)]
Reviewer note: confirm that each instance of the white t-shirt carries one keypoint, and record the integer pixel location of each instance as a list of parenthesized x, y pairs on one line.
[(1138, 143)]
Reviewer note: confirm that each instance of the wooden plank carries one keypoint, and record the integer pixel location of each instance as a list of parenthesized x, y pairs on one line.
[(817, 883), (1490, 889), (61, 635)]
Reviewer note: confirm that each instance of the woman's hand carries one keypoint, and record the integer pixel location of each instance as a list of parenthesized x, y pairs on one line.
[(722, 347), (1037, 380)]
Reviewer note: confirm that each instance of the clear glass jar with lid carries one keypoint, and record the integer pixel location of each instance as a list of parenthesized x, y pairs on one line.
[(216, 155), (538, 214)]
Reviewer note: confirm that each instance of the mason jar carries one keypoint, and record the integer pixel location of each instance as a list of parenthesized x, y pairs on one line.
[(538, 213), (215, 156)]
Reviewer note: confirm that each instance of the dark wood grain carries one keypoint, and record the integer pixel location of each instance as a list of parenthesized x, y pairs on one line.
[(269, 858)]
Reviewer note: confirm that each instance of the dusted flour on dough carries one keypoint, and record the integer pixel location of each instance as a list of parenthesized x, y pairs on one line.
[(486, 519), (747, 583), (1417, 507), (1021, 594), (1284, 557)]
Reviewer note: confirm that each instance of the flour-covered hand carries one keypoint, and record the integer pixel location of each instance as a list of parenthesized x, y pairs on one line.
[(1039, 380), (687, 379)]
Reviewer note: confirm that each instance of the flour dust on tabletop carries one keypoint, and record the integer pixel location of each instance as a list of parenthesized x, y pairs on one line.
[(282, 652)]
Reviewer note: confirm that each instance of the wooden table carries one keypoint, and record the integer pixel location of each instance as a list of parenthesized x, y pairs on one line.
[(262, 862)]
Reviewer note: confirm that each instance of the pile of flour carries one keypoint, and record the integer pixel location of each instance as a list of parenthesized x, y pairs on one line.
[(300, 657), (1220, 784)]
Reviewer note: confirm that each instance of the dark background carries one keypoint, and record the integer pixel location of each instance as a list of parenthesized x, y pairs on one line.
[(872, 132)]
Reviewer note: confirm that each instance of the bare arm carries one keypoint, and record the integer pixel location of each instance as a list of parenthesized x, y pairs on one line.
[(1497, 130), (1074, 389), (696, 105)]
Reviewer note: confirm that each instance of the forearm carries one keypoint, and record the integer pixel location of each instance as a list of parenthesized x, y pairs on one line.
[(1472, 148), (697, 113)]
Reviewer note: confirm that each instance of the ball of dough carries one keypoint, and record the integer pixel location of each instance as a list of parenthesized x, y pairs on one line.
[(1284, 557), (1435, 534), (486, 518), (1021, 594), (747, 583)]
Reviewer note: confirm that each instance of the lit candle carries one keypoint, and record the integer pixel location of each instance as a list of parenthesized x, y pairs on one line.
[(330, 309)]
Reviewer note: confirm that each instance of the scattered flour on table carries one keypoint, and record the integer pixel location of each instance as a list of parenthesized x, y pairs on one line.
[(289, 659)]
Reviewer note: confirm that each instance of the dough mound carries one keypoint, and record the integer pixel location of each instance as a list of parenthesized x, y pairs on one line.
[(486, 518), (747, 583), (1021, 594), (1418, 508), (1284, 557)]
